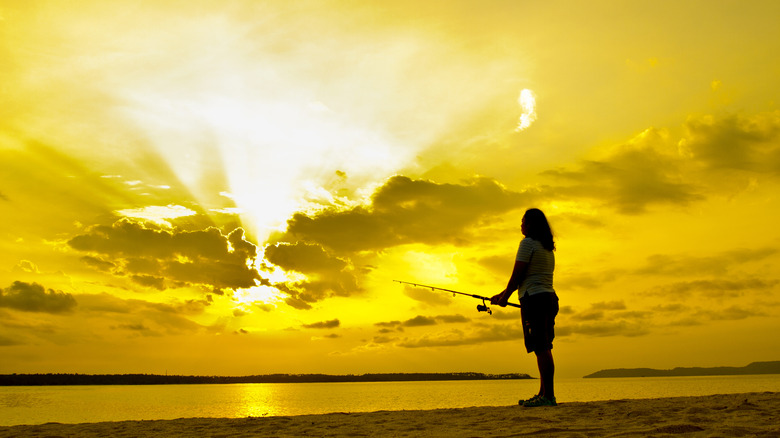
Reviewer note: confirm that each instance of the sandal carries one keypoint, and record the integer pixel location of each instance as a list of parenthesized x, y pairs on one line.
[(523, 402), (540, 401)]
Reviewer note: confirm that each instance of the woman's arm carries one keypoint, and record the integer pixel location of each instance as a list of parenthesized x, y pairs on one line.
[(515, 280)]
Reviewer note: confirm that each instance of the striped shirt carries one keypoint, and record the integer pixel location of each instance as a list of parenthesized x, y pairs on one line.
[(539, 273)]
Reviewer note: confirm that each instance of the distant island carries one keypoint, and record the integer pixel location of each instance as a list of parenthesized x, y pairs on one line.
[(772, 367), (156, 379)]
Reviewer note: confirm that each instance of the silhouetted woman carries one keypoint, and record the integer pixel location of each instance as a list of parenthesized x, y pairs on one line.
[(533, 277)]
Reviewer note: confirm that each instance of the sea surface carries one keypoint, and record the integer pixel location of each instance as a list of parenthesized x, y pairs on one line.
[(88, 404)]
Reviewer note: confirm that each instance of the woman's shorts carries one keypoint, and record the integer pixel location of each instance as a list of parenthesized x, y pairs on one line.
[(538, 313)]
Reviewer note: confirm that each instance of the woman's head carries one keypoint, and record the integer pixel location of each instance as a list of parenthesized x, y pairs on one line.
[(536, 227)]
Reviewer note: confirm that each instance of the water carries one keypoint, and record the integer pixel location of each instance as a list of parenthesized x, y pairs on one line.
[(80, 404)]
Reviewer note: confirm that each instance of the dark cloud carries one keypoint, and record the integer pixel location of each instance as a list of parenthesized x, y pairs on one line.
[(609, 305), (401, 211), (149, 281), (136, 328), (6, 341), (666, 264), (651, 169), (162, 258), (455, 338), (170, 317), (303, 257), (450, 319), (741, 142), (326, 274), (333, 323), (98, 263), (636, 175), (294, 302), (717, 288), (419, 321), (606, 318), (596, 311), (731, 313), (616, 323), (404, 211), (426, 295), (621, 327), (32, 297), (383, 339), (389, 330)]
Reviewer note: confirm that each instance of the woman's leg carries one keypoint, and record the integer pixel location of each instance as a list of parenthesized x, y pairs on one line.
[(544, 360)]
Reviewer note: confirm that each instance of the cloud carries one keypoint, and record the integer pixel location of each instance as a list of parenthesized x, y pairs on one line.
[(157, 214), (456, 338), (632, 177), (731, 313), (136, 328), (171, 317), (653, 170), (450, 319), (32, 297), (606, 318), (419, 321), (98, 263), (404, 211), (609, 305), (303, 257), (326, 274), (620, 327), (426, 296), (26, 266), (6, 341), (717, 288), (666, 264), (333, 323), (159, 258), (149, 281), (738, 142)]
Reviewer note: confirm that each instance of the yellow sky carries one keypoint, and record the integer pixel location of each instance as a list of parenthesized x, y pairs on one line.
[(230, 188)]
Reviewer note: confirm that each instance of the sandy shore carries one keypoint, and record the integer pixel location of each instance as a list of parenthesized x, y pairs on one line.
[(738, 415)]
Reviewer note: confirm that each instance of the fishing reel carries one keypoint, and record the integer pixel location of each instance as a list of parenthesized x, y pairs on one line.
[(484, 308)]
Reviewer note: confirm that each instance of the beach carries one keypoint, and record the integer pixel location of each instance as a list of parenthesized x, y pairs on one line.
[(738, 415)]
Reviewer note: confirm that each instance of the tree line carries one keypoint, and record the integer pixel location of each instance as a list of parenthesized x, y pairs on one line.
[(52, 379)]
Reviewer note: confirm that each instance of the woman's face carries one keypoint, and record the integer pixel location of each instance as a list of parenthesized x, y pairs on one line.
[(522, 226)]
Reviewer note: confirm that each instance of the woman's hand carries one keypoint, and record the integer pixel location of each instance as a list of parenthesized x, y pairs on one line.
[(500, 299)]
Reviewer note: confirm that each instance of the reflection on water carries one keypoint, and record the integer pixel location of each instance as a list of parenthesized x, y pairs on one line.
[(78, 404), (254, 400)]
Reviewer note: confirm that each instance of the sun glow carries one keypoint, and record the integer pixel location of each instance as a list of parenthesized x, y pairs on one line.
[(255, 295), (527, 103)]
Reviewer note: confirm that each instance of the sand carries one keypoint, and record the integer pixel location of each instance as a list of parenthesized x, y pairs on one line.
[(732, 415)]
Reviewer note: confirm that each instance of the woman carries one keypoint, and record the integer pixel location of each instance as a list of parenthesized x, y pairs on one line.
[(533, 277)]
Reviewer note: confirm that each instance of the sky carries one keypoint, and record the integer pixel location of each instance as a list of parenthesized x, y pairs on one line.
[(230, 188)]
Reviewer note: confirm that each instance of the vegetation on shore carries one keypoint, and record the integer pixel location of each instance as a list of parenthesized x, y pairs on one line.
[(772, 367), (156, 379)]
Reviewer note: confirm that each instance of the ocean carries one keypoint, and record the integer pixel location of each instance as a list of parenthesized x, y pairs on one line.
[(87, 404)]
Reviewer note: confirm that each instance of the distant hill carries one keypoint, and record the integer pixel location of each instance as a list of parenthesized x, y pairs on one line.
[(772, 367), (156, 379)]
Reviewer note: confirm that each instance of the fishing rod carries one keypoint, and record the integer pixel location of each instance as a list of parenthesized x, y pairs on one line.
[(480, 307)]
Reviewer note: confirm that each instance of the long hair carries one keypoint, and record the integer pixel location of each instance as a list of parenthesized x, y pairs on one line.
[(537, 228)]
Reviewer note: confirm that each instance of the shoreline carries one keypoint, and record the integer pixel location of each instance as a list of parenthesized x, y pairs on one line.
[(746, 414)]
